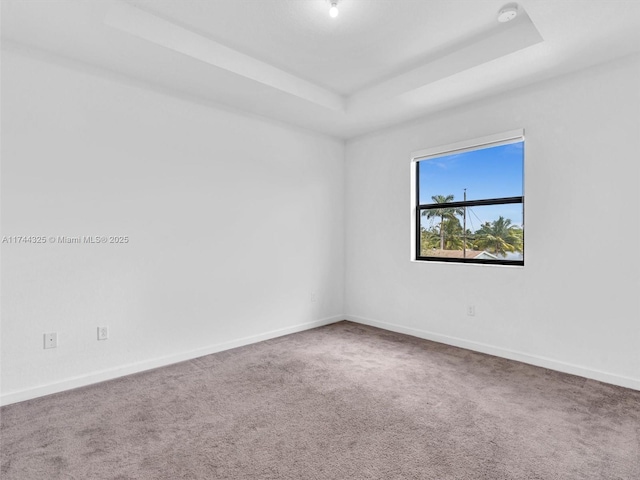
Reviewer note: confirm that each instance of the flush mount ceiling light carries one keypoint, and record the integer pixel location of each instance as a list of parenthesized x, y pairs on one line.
[(333, 11), (508, 13)]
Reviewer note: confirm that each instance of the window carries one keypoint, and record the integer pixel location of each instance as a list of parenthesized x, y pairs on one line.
[(468, 201)]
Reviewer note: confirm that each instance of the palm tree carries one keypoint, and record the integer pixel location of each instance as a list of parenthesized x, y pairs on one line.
[(444, 213), (453, 234), (500, 237), (470, 238), (428, 239)]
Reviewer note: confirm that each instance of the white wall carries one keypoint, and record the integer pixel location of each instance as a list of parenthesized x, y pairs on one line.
[(233, 223), (574, 306)]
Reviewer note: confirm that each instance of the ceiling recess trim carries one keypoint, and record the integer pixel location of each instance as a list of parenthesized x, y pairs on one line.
[(161, 32), (498, 41)]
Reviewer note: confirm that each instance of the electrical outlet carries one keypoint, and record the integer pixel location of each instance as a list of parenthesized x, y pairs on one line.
[(471, 310), (50, 340), (313, 297), (103, 333)]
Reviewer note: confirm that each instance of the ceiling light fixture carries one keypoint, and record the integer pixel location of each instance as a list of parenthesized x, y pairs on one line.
[(508, 13), (333, 11)]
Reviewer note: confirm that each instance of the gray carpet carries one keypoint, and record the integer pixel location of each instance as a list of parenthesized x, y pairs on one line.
[(340, 402)]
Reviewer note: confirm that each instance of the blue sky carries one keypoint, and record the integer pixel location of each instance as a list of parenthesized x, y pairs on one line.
[(487, 173)]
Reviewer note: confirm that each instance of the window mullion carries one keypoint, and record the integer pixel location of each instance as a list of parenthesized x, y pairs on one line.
[(472, 203)]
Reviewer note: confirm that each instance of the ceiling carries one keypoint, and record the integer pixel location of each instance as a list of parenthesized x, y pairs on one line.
[(380, 62)]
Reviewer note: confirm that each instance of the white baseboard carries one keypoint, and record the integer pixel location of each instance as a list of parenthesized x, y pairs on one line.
[(551, 364), (121, 371), (112, 373)]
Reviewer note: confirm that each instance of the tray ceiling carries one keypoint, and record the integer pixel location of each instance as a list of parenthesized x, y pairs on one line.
[(377, 64)]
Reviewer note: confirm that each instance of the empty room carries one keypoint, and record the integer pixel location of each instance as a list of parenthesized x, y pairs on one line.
[(319, 239)]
